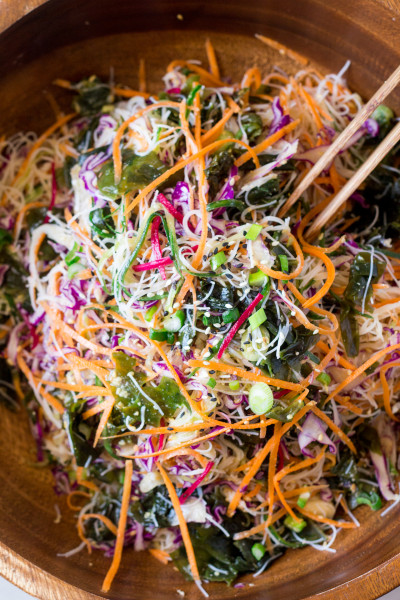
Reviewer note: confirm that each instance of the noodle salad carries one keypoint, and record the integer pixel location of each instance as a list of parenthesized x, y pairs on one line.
[(205, 382)]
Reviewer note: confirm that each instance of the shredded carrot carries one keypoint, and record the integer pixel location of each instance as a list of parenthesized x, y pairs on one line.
[(344, 438), (126, 494), (340, 359), (21, 215), (208, 78), (255, 465), (272, 469), (269, 141), (283, 49), (252, 79), (202, 460), (360, 370), (30, 377), (59, 123), (127, 93), (349, 405), (281, 274), (73, 494), (182, 523), (212, 59), (160, 555), (314, 251), (212, 134), (386, 391), (142, 76), (261, 527), (107, 407), (257, 461), (88, 484), (182, 163), (243, 374), (107, 522), (314, 517)]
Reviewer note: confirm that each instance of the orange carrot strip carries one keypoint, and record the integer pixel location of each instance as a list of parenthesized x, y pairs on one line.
[(272, 469), (142, 75), (267, 142), (314, 251), (197, 440), (302, 464), (256, 464), (121, 130), (126, 93), (212, 134), (202, 460), (212, 59), (160, 555), (282, 49), (59, 123), (30, 377), (243, 374), (182, 163), (386, 302), (208, 78), (261, 527), (345, 439), (341, 524), (119, 543), (340, 359), (281, 274), (21, 216), (107, 410), (386, 391), (107, 522), (182, 523), (374, 358)]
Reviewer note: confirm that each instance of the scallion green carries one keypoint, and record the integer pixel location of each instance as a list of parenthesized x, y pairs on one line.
[(174, 322), (261, 398), (258, 550), (253, 232), (257, 319), (294, 525), (217, 260), (324, 378)]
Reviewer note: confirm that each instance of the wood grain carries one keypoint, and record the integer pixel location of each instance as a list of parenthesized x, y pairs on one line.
[(74, 38)]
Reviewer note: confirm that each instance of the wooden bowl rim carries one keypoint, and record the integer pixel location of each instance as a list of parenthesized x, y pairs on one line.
[(41, 584), (37, 582)]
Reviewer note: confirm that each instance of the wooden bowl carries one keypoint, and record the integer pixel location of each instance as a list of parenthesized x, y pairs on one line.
[(73, 38)]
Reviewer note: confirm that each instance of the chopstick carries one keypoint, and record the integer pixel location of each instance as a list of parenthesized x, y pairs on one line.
[(341, 141), (352, 184)]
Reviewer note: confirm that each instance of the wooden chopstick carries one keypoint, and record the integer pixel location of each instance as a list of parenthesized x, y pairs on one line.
[(341, 141), (352, 184)]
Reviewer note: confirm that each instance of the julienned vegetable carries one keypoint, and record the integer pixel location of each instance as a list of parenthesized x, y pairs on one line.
[(215, 388)]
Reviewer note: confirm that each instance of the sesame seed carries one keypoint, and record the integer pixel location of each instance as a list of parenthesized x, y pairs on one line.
[(207, 314), (207, 331), (228, 306), (241, 331), (315, 332), (206, 362)]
